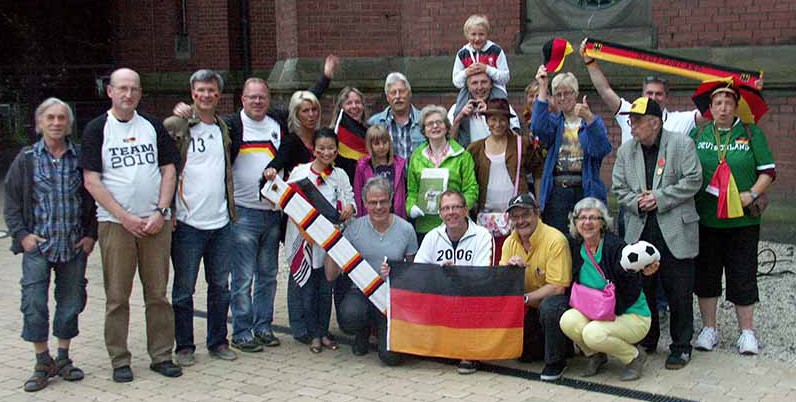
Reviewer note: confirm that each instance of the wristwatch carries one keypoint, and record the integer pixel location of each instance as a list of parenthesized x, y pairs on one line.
[(754, 195), (166, 211)]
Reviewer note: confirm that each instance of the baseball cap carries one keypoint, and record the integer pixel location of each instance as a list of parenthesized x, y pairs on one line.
[(645, 107), (525, 200)]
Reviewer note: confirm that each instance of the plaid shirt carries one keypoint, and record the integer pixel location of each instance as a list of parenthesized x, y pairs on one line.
[(57, 202), (402, 136)]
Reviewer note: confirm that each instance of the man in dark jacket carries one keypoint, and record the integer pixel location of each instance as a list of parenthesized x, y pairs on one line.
[(52, 220)]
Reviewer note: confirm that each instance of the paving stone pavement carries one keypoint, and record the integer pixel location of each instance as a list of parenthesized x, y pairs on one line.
[(291, 373)]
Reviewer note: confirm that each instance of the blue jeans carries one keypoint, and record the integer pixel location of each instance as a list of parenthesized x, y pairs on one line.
[(316, 298), (70, 296), (189, 245), (558, 206), (255, 261), (295, 312)]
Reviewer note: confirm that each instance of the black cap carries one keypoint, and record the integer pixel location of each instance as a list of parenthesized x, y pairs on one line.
[(525, 200)]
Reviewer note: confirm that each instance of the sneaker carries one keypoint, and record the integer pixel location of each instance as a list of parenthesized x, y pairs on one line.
[(246, 345), (185, 357), (676, 361), (634, 369), (267, 338), (707, 340), (747, 343), (554, 371), (123, 374), (223, 352), (595, 362), (467, 367), (166, 368)]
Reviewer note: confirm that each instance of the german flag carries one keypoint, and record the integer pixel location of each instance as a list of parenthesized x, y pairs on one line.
[(473, 313), (663, 63), (250, 147), (351, 134)]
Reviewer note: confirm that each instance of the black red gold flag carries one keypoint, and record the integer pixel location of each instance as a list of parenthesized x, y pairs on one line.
[(351, 134), (473, 313), (663, 63)]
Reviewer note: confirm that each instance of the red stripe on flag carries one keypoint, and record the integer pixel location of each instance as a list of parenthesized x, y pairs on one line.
[(372, 286), (351, 134), (288, 194), (332, 240), (350, 265), (457, 311), (309, 219)]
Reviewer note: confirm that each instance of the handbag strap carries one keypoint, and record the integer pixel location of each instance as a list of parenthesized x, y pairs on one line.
[(519, 162), (591, 257)]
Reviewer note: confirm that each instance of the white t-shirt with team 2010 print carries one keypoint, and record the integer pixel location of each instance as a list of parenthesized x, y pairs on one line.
[(201, 188), (128, 154)]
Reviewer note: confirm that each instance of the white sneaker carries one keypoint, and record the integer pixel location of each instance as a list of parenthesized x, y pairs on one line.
[(707, 339), (747, 343)]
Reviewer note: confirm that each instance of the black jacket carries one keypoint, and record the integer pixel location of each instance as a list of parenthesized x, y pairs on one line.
[(628, 284), (18, 210)]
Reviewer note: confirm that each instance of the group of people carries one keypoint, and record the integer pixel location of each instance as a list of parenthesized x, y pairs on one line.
[(440, 186)]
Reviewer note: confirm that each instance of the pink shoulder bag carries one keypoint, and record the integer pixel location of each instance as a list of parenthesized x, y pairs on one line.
[(595, 304)]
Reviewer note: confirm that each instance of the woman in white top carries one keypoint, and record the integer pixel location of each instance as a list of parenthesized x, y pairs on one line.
[(503, 161), (315, 291)]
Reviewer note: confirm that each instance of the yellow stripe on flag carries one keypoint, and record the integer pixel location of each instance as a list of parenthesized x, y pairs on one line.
[(734, 206), (465, 343)]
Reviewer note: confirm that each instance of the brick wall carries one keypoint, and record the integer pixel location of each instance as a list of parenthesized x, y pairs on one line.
[(362, 28), (686, 23), (263, 34), (144, 33)]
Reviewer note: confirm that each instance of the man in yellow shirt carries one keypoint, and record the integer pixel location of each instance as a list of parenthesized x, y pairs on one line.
[(544, 253)]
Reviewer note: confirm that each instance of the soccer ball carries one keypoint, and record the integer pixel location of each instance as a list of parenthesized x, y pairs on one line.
[(638, 255)]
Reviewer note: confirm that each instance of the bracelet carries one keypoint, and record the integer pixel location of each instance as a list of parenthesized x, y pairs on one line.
[(590, 62)]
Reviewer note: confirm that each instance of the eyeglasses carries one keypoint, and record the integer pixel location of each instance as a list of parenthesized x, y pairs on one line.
[(451, 208), (434, 123), (564, 94), (639, 121), (256, 98), (378, 203), (589, 218), (519, 216), (125, 89)]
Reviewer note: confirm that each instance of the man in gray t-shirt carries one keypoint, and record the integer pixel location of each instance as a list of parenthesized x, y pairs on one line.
[(377, 235)]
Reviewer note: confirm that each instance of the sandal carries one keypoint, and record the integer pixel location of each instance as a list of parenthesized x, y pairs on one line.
[(316, 346), (329, 343), (68, 371), (41, 374)]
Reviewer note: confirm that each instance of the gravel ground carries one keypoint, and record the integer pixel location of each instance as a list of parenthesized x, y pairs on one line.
[(775, 315)]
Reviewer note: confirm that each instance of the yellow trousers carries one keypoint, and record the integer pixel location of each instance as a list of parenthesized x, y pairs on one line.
[(616, 338)]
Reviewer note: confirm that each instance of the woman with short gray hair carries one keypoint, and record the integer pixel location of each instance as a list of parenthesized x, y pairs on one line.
[(439, 164), (596, 256)]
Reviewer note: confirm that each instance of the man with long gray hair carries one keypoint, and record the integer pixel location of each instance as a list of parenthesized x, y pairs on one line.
[(52, 220)]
